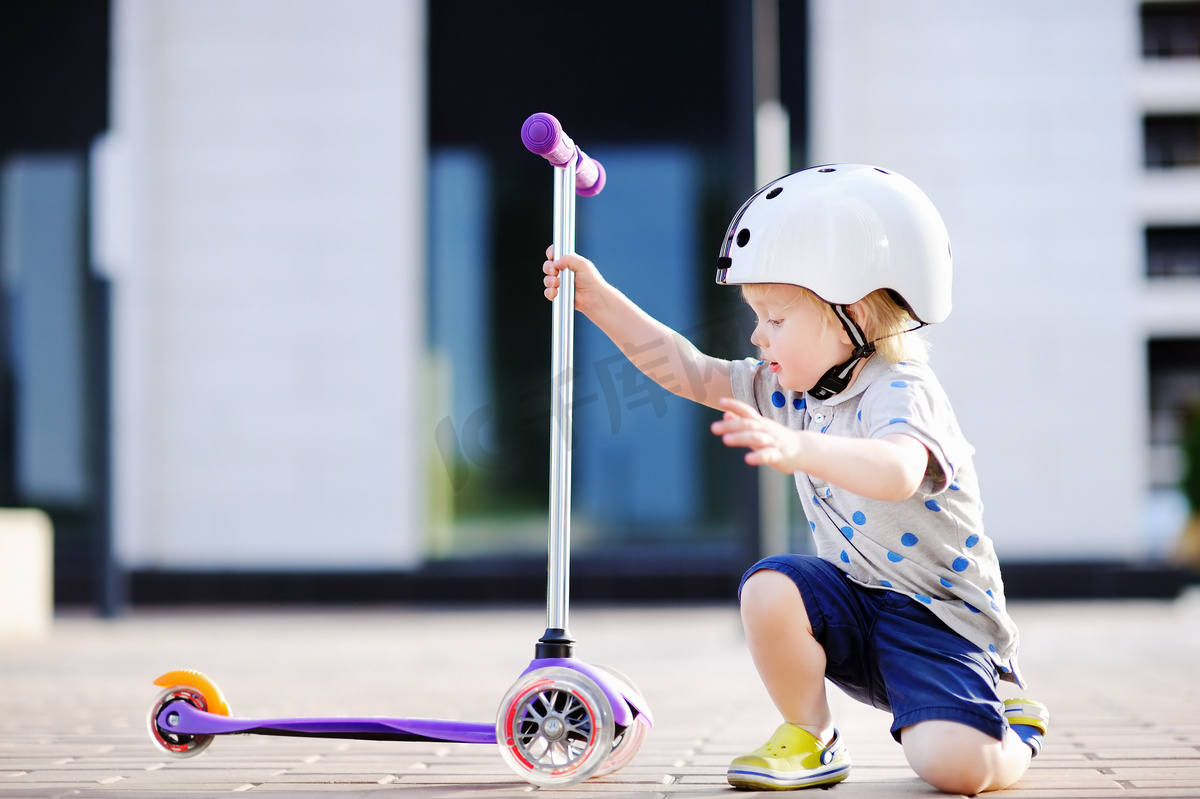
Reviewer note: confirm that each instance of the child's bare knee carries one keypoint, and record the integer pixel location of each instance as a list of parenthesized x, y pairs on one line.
[(768, 592), (763, 585), (951, 757)]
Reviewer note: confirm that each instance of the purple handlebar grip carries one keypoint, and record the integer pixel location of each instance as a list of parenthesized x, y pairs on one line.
[(589, 176), (543, 135)]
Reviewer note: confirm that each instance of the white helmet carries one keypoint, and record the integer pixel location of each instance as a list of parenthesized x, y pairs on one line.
[(842, 231)]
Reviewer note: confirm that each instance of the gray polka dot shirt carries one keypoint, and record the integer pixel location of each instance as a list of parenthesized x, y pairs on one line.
[(931, 546)]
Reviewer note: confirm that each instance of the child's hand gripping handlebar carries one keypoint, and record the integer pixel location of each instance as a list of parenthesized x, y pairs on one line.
[(544, 136)]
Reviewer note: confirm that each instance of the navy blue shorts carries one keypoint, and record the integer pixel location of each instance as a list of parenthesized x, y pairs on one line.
[(889, 651)]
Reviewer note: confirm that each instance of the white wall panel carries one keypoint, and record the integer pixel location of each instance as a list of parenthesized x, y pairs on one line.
[(262, 217), (1020, 121)]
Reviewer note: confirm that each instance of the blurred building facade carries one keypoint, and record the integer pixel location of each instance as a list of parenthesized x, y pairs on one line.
[(1168, 208), (322, 239)]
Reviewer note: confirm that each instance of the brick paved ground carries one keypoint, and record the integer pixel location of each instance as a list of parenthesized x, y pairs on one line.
[(1122, 680)]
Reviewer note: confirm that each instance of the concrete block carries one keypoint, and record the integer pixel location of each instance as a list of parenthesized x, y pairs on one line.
[(26, 573)]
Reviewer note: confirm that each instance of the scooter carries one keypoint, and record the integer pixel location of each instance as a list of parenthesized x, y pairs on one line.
[(563, 721)]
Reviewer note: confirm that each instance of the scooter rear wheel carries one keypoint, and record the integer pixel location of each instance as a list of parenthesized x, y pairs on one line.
[(174, 743), (555, 727)]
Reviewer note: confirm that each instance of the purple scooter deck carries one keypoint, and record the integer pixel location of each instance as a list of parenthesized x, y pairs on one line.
[(182, 718)]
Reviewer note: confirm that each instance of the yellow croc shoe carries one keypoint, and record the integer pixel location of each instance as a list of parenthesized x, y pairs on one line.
[(1029, 719), (793, 758)]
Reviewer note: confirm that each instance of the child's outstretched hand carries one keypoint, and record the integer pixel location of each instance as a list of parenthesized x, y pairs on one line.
[(890, 468), (588, 279), (770, 443)]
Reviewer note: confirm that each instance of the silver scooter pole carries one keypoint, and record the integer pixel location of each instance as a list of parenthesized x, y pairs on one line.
[(574, 173)]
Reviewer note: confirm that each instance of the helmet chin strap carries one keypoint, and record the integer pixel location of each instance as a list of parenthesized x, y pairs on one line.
[(836, 379)]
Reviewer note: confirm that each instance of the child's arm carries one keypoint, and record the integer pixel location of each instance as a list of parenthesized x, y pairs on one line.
[(663, 355), (890, 468)]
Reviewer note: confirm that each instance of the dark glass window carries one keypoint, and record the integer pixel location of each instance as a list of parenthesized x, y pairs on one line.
[(54, 99), (1174, 401), (665, 100), (1170, 30), (1171, 140), (1173, 250)]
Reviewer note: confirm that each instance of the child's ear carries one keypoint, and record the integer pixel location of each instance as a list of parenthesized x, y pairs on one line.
[(857, 313), (860, 318)]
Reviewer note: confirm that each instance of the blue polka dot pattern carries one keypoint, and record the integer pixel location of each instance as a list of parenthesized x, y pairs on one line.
[(845, 557), (923, 598), (909, 540), (885, 583), (971, 541), (813, 525), (898, 420), (971, 607), (899, 384), (859, 517), (954, 487), (894, 558), (946, 583), (960, 564), (860, 416), (778, 400), (933, 505), (848, 532), (816, 500), (799, 404)]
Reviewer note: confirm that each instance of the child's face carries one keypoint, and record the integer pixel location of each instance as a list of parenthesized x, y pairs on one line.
[(795, 338)]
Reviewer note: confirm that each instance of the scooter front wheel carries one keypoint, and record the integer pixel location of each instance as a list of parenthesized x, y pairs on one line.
[(177, 744), (626, 742), (555, 727)]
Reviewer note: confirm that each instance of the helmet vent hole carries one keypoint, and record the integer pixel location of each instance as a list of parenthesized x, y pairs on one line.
[(743, 237), (775, 192), (827, 169)]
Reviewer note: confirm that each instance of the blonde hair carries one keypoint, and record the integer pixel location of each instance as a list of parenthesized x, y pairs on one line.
[(883, 320)]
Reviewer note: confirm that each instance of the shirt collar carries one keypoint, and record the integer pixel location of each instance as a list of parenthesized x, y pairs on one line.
[(872, 369)]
